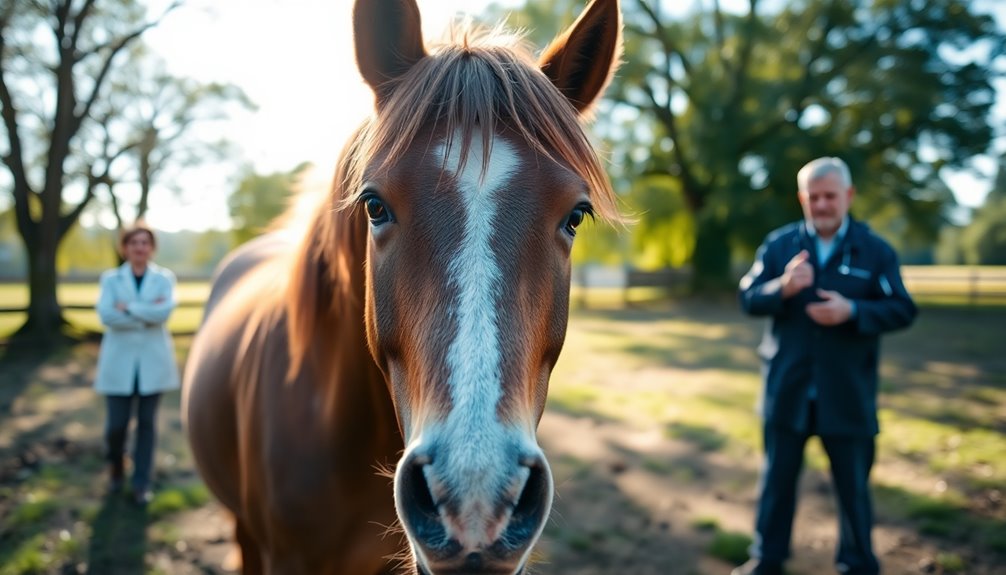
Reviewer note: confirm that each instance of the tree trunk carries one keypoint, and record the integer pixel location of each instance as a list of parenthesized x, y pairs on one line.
[(711, 260), (45, 316)]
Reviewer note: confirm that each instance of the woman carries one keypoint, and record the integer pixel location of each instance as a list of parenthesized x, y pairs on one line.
[(137, 358)]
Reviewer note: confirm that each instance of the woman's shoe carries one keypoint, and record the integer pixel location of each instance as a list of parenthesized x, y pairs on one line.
[(142, 497), (115, 478)]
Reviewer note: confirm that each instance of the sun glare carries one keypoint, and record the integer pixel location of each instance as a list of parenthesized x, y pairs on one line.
[(295, 61)]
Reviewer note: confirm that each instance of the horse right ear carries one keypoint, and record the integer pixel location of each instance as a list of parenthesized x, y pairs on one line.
[(388, 36)]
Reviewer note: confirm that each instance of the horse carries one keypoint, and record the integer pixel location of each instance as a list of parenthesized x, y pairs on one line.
[(364, 391)]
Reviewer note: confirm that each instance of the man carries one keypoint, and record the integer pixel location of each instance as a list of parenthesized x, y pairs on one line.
[(831, 287)]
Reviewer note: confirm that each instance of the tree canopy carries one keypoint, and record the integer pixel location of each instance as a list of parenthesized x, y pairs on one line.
[(78, 100), (713, 113), (259, 199)]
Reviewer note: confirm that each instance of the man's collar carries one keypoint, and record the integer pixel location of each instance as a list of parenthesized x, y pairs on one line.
[(809, 225)]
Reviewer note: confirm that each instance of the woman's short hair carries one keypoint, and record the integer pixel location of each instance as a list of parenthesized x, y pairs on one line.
[(128, 233)]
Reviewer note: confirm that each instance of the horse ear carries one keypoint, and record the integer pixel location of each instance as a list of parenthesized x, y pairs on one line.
[(582, 60), (389, 39)]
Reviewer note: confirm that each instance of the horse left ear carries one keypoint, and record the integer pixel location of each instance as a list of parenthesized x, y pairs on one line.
[(582, 60), (388, 36)]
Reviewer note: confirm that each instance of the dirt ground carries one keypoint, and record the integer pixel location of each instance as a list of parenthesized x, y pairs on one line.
[(614, 515)]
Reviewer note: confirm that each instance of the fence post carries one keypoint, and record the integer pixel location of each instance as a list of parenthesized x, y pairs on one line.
[(581, 271), (973, 289)]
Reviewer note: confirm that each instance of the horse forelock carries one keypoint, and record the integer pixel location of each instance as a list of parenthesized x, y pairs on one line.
[(477, 83)]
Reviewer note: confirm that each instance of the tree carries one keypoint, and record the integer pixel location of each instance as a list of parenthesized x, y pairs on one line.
[(155, 114), (48, 93), (900, 90), (713, 113), (259, 199), (983, 241)]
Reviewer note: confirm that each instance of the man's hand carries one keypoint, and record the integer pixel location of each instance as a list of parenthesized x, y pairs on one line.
[(799, 275), (835, 309)]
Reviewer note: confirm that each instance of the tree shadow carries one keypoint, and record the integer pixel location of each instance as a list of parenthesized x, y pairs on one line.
[(20, 363), (118, 543), (982, 532)]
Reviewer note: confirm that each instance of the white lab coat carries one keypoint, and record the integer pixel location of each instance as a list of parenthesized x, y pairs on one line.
[(139, 339)]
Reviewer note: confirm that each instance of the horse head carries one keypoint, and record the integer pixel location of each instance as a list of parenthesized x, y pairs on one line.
[(473, 176)]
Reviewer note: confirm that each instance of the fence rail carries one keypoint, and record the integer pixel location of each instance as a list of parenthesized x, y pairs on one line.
[(976, 282), (90, 307), (973, 283)]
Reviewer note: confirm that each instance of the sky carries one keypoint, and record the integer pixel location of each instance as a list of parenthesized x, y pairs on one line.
[(294, 59)]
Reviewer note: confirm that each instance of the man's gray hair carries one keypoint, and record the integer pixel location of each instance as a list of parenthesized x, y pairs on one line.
[(817, 169)]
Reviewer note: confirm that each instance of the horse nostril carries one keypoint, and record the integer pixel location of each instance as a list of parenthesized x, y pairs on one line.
[(532, 506), (416, 506), (418, 490), (534, 492)]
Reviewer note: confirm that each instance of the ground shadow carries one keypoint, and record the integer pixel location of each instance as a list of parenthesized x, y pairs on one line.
[(18, 362), (118, 543)]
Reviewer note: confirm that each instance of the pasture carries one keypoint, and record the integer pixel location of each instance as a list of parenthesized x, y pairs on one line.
[(650, 431)]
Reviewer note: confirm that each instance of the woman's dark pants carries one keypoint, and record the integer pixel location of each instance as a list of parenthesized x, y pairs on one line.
[(120, 409)]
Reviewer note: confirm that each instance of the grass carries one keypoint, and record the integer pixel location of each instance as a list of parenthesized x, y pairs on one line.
[(55, 518), (693, 373), (685, 371), (730, 546), (178, 498)]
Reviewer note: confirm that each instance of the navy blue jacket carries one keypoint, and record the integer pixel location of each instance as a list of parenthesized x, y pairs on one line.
[(839, 362)]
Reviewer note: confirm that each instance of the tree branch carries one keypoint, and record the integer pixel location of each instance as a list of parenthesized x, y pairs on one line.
[(718, 36), (115, 47), (78, 20), (807, 81), (66, 221), (662, 34), (693, 191), (740, 72), (14, 159)]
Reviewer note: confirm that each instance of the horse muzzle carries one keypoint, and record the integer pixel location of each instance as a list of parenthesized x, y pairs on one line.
[(464, 519)]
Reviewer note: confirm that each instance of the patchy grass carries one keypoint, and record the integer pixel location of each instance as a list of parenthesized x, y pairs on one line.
[(176, 499), (54, 515), (678, 382), (693, 374), (951, 563), (711, 524), (704, 438), (730, 546)]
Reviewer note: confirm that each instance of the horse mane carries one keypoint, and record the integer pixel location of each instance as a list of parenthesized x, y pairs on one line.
[(321, 275), (475, 82)]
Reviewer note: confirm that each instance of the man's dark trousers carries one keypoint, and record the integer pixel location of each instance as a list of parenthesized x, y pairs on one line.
[(851, 459)]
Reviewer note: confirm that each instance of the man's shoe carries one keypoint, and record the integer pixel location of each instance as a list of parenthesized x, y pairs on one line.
[(758, 567)]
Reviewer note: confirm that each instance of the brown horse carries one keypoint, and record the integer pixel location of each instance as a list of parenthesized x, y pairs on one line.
[(416, 316)]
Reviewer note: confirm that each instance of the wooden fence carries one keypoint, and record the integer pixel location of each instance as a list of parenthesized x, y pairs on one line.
[(976, 283), (973, 284), (90, 317), (90, 307)]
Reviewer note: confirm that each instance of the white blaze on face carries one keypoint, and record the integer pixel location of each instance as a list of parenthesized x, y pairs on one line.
[(476, 457)]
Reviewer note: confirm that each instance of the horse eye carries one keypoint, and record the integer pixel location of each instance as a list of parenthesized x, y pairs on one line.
[(576, 218), (376, 211)]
